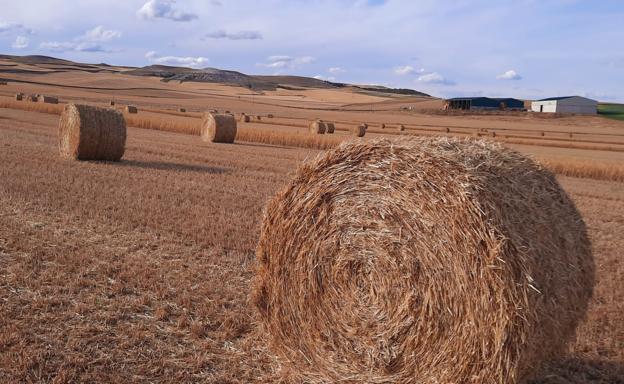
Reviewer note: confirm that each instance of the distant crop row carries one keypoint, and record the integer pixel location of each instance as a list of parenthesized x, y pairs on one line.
[(192, 126)]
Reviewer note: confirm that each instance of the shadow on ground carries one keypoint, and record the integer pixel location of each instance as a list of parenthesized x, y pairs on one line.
[(166, 166), (581, 371)]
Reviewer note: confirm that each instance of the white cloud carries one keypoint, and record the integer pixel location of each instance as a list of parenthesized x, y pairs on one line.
[(404, 70), (407, 70), (100, 34), (164, 9), (509, 75), (12, 27), (239, 35), (65, 46), (336, 70), (284, 61), (434, 78), (21, 42), (304, 60), (192, 62)]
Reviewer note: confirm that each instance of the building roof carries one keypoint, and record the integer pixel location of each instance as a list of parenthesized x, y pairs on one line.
[(563, 97)]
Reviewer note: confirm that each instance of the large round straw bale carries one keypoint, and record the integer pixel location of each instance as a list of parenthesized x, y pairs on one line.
[(318, 127), (132, 109), (401, 127), (91, 133), (218, 128), (19, 96), (330, 127), (245, 118), (422, 260), (359, 130)]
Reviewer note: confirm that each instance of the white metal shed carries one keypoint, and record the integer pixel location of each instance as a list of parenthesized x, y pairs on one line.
[(566, 104)]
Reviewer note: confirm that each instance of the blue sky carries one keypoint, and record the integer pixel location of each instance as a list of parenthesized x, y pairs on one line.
[(521, 48)]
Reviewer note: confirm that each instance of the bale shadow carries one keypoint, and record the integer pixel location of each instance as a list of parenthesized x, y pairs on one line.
[(262, 145), (574, 370), (166, 166)]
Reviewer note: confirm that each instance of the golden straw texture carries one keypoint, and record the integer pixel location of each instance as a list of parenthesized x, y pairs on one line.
[(218, 128), (318, 127), (91, 133), (421, 260)]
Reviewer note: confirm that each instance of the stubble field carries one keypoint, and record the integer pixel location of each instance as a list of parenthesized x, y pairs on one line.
[(139, 271)]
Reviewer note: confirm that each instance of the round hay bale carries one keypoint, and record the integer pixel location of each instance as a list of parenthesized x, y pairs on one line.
[(493, 134), (91, 133), (447, 130), (218, 128), (33, 98), (401, 127), (330, 127), (19, 96), (111, 103), (181, 109), (543, 134), (132, 109), (49, 99), (258, 118), (245, 118), (422, 260), (359, 130), (318, 127), (383, 125)]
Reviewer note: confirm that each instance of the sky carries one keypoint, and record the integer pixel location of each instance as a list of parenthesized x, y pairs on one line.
[(522, 48)]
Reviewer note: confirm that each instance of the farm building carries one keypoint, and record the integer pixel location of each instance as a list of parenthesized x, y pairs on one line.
[(566, 104), (468, 103)]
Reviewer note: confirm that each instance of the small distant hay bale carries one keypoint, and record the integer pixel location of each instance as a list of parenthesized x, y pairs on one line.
[(258, 117), (421, 260), (132, 109), (111, 103), (383, 125), (359, 130), (245, 118), (447, 130), (49, 99), (318, 127), (181, 109), (270, 115), (401, 127), (219, 128), (493, 134), (19, 96), (91, 133), (33, 98), (542, 133), (330, 127)]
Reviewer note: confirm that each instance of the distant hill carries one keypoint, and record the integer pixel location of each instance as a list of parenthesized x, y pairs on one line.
[(213, 75)]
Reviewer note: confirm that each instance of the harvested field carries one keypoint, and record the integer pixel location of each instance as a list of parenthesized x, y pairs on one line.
[(140, 271), (126, 272)]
